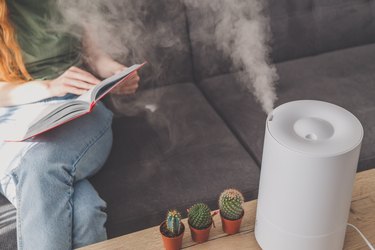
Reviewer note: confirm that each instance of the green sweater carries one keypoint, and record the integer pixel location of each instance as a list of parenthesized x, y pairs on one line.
[(47, 52)]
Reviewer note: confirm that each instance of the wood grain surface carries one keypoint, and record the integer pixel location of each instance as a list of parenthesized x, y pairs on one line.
[(362, 215)]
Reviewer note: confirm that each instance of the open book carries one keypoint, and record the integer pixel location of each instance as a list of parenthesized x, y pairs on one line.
[(56, 114)]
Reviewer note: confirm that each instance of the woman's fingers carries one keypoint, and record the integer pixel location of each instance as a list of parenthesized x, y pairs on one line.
[(132, 84), (79, 74), (74, 80), (78, 84), (128, 91), (120, 68), (76, 87), (74, 90), (133, 80), (128, 86), (122, 89), (135, 77)]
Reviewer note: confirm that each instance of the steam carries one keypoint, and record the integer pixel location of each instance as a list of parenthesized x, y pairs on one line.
[(125, 29), (122, 29), (242, 33)]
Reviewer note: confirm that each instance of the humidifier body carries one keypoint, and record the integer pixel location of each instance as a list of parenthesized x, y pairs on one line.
[(310, 158)]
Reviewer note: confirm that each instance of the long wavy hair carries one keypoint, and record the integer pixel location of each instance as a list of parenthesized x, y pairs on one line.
[(12, 66)]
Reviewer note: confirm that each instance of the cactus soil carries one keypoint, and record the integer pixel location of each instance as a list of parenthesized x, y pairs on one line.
[(171, 242)]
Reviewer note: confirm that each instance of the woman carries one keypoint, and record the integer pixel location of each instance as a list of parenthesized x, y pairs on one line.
[(46, 177)]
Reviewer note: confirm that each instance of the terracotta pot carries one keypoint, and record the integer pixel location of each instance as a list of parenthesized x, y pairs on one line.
[(200, 235), (174, 243), (231, 226)]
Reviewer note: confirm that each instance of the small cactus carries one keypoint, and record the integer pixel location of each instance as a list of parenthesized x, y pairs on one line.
[(230, 204), (200, 216), (173, 222)]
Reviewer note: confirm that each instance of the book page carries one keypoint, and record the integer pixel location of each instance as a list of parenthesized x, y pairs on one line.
[(54, 121), (86, 97), (111, 81), (16, 120), (101, 88), (54, 112), (32, 119)]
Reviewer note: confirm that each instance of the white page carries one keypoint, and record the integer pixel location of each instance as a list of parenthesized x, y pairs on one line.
[(20, 118), (86, 96), (64, 116), (91, 94), (53, 111)]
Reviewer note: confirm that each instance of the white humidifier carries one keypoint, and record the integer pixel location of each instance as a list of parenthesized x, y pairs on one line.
[(310, 157)]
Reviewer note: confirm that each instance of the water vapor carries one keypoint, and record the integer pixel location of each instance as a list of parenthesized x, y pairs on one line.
[(133, 31), (130, 31), (242, 32)]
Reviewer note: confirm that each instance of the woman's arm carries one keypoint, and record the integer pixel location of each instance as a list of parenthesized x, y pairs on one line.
[(74, 80), (16, 94), (104, 66)]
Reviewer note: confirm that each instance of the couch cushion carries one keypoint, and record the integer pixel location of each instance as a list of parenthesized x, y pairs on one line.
[(345, 78), (208, 60), (177, 155), (8, 240), (154, 31), (298, 27), (163, 42), (308, 27)]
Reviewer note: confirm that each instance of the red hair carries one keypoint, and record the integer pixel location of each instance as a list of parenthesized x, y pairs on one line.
[(12, 66)]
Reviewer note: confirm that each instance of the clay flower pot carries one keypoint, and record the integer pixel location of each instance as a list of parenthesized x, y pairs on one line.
[(200, 235), (172, 243), (231, 226)]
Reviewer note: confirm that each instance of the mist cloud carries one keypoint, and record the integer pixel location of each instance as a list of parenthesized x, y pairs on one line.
[(119, 28), (242, 33), (127, 30)]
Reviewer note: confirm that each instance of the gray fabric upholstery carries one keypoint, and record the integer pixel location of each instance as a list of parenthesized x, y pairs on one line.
[(298, 27), (163, 42), (208, 60), (308, 27), (195, 145), (345, 78), (8, 239), (181, 154), (184, 156)]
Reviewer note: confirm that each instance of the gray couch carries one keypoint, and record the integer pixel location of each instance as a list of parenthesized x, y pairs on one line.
[(207, 131)]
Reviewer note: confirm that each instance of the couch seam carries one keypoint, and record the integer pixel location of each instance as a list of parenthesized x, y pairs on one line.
[(253, 193), (196, 82)]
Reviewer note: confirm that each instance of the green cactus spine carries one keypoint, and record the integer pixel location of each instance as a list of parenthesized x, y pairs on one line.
[(173, 222), (230, 204), (200, 216)]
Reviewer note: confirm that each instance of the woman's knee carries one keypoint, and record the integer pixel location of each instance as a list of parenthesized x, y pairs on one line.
[(95, 156), (81, 148)]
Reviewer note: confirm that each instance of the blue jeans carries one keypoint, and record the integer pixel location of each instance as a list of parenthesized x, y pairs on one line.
[(57, 207)]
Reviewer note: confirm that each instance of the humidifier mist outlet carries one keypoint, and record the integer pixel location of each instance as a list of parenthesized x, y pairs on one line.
[(310, 157)]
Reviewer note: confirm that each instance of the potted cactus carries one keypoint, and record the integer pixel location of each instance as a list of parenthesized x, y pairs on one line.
[(172, 230), (200, 222), (231, 210)]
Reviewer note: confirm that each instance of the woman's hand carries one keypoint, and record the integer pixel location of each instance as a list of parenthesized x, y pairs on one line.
[(74, 80), (106, 67), (128, 86)]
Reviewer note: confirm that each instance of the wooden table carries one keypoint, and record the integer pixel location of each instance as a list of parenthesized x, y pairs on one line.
[(362, 215)]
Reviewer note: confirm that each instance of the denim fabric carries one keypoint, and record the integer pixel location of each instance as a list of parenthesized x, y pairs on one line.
[(57, 208)]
